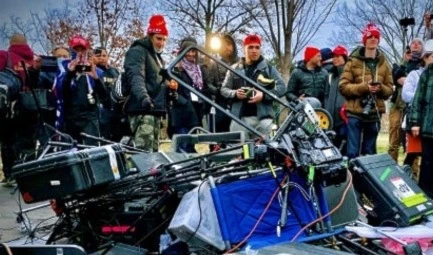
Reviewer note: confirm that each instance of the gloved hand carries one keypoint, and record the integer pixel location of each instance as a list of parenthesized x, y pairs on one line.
[(146, 103)]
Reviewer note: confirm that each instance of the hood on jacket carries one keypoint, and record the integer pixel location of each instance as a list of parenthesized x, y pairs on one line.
[(144, 42), (359, 53), (23, 51), (301, 65), (234, 56)]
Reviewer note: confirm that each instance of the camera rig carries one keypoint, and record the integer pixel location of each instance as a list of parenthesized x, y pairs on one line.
[(299, 139), (121, 211)]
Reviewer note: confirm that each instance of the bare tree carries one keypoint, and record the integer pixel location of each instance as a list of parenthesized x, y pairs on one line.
[(206, 17), (386, 14), (290, 25), (113, 24), (17, 25)]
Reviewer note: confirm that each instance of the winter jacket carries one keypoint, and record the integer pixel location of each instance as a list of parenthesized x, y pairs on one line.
[(402, 71), (428, 34), (335, 100), (75, 91), (142, 66), (184, 112), (410, 85), (421, 113), (109, 77), (354, 84), (17, 53), (232, 82), (311, 83)]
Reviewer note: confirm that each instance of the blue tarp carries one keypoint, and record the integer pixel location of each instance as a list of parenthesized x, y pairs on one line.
[(243, 201)]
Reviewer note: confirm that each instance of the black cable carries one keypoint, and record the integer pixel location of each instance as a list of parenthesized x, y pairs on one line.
[(20, 215), (32, 233), (200, 213), (397, 226)]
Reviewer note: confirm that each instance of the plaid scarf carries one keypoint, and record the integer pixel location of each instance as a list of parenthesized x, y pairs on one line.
[(194, 72)]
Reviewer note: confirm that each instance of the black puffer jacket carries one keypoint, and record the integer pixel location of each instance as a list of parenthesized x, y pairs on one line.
[(142, 66), (75, 97), (311, 83)]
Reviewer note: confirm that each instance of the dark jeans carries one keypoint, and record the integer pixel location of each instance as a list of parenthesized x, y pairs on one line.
[(18, 140), (361, 137), (426, 170), (113, 126), (340, 138), (75, 126)]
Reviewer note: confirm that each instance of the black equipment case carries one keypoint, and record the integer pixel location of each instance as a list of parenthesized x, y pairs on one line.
[(390, 193), (61, 175)]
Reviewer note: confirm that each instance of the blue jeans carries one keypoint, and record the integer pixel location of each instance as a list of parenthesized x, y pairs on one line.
[(361, 136)]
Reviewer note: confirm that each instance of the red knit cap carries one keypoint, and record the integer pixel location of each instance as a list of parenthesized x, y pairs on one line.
[(157, 25), (78, 40), (340, 51), (249, 39), (370, 30), (310, 52)]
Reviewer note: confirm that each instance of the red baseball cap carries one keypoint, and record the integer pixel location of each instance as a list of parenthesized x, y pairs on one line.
[(78, 40), (340, 51)]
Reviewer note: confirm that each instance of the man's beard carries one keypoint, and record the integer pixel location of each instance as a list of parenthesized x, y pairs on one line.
[(159, 51)]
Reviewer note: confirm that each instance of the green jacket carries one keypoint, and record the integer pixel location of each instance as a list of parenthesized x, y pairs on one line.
[(421, 113), (354, 83), (311, 83)]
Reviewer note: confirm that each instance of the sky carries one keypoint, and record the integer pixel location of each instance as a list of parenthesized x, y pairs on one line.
[(22, 8)]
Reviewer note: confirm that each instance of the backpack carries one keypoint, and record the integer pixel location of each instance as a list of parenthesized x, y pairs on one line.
[(10, 85)]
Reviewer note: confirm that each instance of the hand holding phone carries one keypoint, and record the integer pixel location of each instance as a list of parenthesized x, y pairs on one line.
[(374, 86)]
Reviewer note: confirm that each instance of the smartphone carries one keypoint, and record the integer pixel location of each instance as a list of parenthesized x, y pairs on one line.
[(83, 68), (375, 83), (249, 92)]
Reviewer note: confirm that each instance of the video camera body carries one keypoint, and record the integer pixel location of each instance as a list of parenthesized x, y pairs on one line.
[(309, 147), (368, 103)]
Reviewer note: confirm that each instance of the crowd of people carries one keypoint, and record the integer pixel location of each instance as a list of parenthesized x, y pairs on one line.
[(77, 96)]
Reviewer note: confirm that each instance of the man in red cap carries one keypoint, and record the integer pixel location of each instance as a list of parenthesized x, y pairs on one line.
[(79, 93), (146, 103), (309, 79), (366, 83), (249, 104), (335, 101)]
